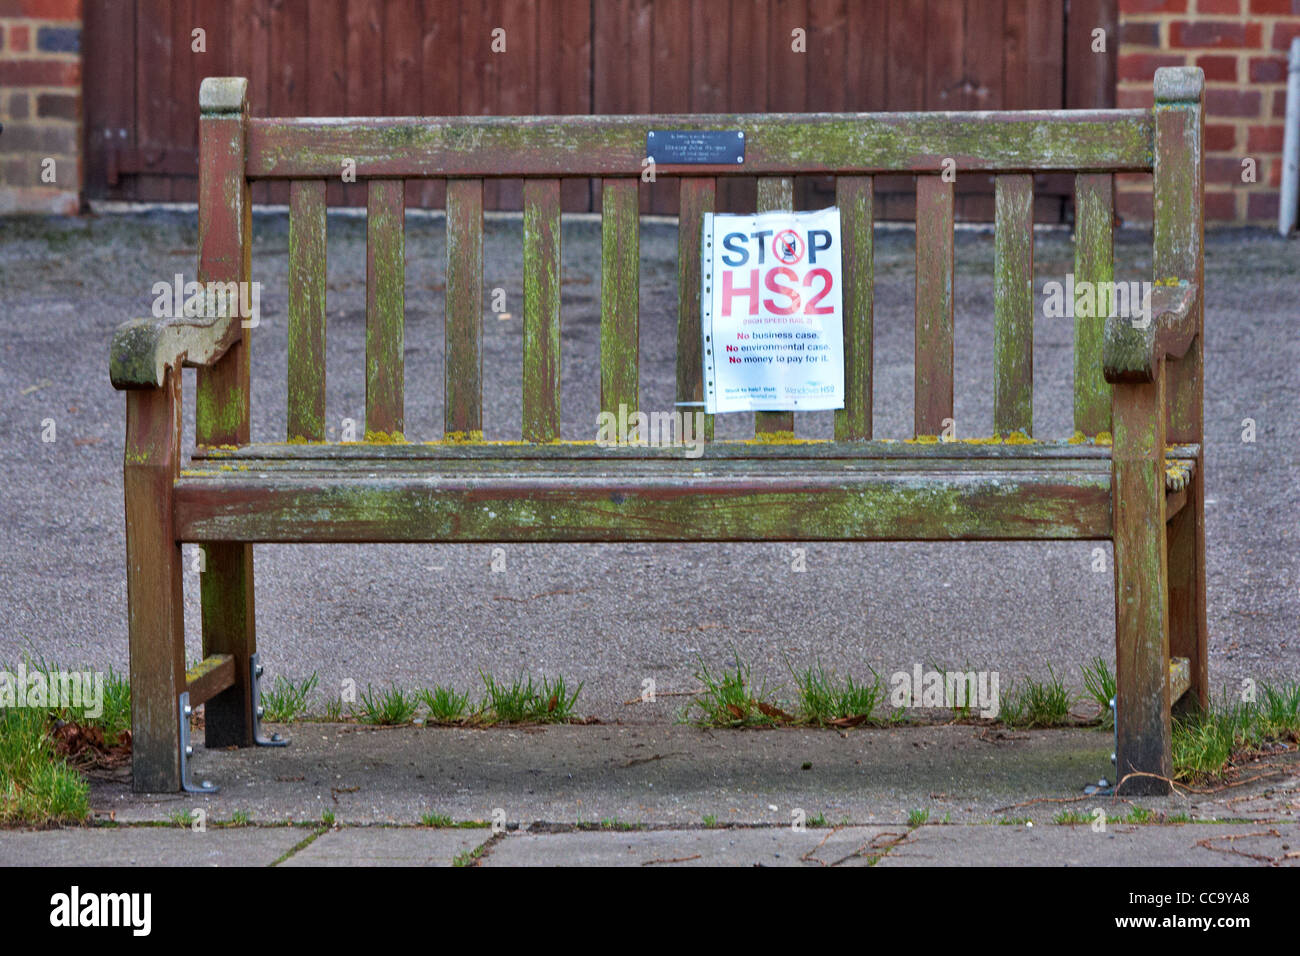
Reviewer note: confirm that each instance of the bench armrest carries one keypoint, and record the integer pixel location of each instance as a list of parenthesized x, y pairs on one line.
[(1133, 347), (143, 349)]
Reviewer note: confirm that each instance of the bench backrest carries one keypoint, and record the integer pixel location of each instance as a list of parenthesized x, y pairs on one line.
[(1012, 146)]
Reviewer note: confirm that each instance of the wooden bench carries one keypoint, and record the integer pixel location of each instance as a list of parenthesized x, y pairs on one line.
[(1142, 384)]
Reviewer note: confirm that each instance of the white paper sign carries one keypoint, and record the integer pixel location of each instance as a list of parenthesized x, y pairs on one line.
[(772, 312)]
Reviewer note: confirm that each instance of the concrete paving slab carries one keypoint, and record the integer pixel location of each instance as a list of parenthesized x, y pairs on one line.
[(1250, 844), (673, 776), (147, 846), (765, 846), (388, 846)]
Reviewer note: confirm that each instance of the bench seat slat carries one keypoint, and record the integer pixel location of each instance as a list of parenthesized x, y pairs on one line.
[(584, 501), (306, 378), (385, 305), (463, 332), (934, 305), (775, 143), (541, 416), (1013, 300), (254, 454), (775, 193)]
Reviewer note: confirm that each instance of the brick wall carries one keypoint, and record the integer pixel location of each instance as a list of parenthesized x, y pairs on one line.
[(1242, 47), (40, 105)]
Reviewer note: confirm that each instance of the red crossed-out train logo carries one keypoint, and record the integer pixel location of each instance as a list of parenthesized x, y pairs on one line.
[(788, 247)]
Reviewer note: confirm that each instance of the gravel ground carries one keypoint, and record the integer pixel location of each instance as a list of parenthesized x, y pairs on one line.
[(614, 615)]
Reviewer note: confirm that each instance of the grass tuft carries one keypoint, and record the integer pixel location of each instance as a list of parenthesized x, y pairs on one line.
[(286, 700), (731, 700), (1099, 683), (444, 705), (523, 701), (386, 707), (824, 699), (1038, 704)]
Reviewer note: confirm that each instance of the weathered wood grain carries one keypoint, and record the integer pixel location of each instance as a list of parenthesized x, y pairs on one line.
[(933, 389), (854, 197), (971, 452), (223, 397), (775, 144), (306, 376), (1141, 586), (541, 417), (1178, 251), (463, 343), (1013, 305), (698, 196), (385, 306), (620, 266), (1094, 261), (155, 603), (673, 501), (209, 677)]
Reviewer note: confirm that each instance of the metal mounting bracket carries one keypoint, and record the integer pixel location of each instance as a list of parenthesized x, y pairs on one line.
[(187, 750), (1104, 787), (255, 673)]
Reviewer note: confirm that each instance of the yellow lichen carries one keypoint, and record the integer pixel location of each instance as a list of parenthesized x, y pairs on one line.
[(1078, 438), (1103, 438), (463, 438), (385, 438), (1019, 438), (923, 440), (774, 438)]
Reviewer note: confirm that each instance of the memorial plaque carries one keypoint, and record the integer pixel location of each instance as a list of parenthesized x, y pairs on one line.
[(699, 147)]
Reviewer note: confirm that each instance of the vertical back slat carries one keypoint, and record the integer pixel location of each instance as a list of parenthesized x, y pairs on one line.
[(385, 305), (934, 299), (854, 197), (1013, 305), (619, 302), (463, 337), (1094, 261), (306, 374), (541, 310), (698, 196), (774, 193)]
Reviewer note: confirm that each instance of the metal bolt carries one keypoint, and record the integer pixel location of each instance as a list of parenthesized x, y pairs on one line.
[(188, 710), (261, 711), (259, 670), (189, 751)]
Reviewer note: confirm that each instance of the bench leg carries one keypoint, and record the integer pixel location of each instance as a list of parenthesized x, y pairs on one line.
[(1188, 634), (155, 608), (227, 597), (1141, 589)]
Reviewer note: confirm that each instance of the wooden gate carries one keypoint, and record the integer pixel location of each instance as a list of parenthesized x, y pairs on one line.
[(144, 61)]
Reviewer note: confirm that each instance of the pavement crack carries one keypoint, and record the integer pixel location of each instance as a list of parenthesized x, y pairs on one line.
[(301, 844)]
